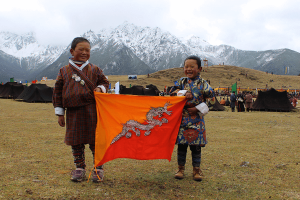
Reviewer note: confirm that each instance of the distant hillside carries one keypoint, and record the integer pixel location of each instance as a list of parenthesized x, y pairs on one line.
[(287, 58), (9, 67), (218, 75)]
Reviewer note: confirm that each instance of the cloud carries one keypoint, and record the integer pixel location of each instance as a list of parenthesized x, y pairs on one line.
[(247, 25)]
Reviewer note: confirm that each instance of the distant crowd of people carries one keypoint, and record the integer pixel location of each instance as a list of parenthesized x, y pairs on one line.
[(243, 101), (240, 102)]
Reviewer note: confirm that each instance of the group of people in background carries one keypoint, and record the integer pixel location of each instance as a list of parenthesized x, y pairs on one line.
[(241, 101)]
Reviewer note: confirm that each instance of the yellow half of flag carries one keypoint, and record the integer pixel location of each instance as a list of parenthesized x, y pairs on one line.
[(137, 127)]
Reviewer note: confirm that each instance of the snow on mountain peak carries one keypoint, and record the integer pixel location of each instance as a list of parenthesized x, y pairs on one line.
[(26, 47), (145, 42), (91, 36), (156, 48), (19, 45), (195, 41)]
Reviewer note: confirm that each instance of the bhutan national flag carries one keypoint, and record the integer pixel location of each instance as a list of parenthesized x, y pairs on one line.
[(137, 127)]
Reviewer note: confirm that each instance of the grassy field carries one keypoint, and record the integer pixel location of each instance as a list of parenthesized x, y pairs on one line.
[(251, 155)]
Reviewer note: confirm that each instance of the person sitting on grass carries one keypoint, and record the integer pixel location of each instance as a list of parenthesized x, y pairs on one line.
[(222, 102)]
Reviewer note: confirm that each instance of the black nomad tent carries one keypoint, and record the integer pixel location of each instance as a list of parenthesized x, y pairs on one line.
[(36, 93), (272, 100), (217, 106), (1, 87), (11, 90), (150, 90)]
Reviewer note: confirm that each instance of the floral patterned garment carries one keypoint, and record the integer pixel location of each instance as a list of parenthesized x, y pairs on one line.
[(192, 128)]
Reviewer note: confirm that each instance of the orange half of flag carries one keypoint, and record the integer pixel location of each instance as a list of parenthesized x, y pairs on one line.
[(137, 127)]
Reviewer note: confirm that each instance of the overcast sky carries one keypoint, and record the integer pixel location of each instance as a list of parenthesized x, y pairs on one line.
[(243, 24)]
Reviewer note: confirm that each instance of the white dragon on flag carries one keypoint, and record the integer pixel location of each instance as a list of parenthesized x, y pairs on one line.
[(135, 126)]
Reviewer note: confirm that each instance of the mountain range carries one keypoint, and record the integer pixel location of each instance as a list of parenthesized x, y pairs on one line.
[(129, 49)]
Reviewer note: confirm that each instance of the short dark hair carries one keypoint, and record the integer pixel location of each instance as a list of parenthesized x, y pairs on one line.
[(194, 58), (78, 40)]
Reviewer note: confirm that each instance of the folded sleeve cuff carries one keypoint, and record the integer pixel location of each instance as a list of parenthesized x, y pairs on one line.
[(102, 88), (59, 111), (181, 92), (203, 108)]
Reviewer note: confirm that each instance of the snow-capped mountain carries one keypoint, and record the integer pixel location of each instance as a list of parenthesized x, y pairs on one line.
[(32, 56), (161, 50), (131, 49), (152, 46), (20, 46)]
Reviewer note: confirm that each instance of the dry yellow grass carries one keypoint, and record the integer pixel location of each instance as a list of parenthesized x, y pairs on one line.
[(249, 156), (219, 75)]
